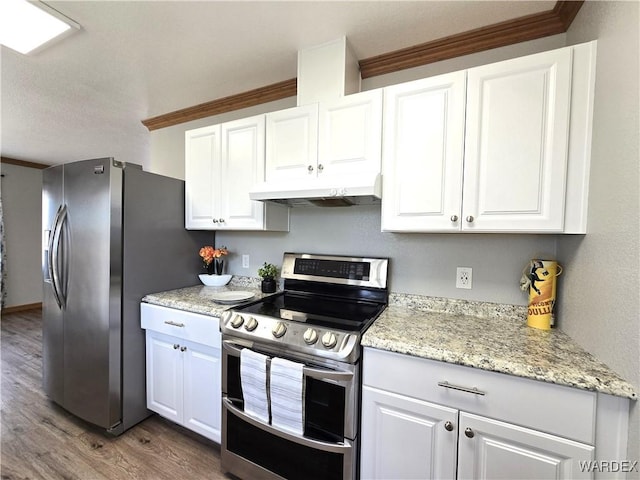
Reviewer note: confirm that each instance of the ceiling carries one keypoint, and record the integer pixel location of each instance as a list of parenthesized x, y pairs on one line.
[(85, 96)]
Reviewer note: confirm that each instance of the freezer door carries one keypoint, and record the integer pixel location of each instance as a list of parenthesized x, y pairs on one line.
[(92, 236), (52, 313)]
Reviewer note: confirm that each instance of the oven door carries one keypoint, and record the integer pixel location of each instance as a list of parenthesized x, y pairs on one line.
[(327, 449)]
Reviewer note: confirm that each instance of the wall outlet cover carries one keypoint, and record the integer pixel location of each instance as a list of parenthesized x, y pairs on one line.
[(464, 277)]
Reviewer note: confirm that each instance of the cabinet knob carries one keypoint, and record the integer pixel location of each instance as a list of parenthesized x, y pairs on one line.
[(454, 218), (320, 167), (469, 433), (448, 426), (310, 168), (215, 220), (182, 349), (176, 346), (470, 219), (221, 220)]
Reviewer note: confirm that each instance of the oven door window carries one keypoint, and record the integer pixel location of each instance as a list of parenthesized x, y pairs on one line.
[(324, 409), (282, 457)]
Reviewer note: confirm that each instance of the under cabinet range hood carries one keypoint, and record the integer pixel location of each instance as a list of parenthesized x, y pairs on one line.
[(364, 190), (326, 151)]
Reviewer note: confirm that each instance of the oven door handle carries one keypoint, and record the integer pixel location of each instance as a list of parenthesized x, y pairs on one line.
[(300, 440), (317, 373)]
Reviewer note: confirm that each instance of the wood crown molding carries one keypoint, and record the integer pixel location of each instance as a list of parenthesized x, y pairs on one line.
[(23, 163), (529, 27), (270, 93)]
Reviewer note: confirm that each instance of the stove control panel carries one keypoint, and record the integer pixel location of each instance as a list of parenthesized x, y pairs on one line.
[(298, 336)]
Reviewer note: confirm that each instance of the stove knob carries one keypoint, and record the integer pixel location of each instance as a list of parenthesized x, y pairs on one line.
[(310, 336), (279, 329), (237, 321), (251, 324), (329, 340)]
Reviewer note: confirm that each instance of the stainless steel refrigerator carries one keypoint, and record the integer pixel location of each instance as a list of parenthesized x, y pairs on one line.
[(112, 234)]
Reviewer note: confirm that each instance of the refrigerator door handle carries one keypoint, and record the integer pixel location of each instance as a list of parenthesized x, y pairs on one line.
[(54, 253), (50, 256)]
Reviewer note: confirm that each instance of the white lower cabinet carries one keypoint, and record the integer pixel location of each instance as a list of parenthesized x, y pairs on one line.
[(489, 449), (406, 438), (423, 419), (183, 376)]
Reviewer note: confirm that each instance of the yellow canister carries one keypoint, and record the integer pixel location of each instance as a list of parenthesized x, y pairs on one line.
[(542, 293)]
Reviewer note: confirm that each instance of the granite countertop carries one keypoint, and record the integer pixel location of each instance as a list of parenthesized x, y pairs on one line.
[(475, 334), (490, 337), (199, 299)]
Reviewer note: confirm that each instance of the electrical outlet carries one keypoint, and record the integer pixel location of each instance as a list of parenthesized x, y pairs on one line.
[(464, 277), (245, 261)]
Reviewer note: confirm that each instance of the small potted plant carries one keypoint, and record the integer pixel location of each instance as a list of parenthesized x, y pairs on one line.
[(268, 272)]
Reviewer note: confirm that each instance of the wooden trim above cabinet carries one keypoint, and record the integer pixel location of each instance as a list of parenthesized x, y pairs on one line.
[(270, 93), (529, 27)]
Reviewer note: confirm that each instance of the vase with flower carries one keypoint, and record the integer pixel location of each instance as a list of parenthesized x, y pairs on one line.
[(213, 263)]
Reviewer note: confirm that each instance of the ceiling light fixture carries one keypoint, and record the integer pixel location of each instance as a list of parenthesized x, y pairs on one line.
[(27, 27)]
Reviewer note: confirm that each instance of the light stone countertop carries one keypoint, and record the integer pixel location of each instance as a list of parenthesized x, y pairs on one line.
[(490, 337), (475, 334), (199, 299)]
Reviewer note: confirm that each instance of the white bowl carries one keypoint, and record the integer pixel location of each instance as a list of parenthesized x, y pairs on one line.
[(214, 280)]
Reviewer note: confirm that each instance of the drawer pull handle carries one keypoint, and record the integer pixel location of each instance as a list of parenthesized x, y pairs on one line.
[(175, 324), (473, 390)]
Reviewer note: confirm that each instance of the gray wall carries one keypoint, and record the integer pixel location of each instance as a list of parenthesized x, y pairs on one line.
[(601, 285), (22, 209)]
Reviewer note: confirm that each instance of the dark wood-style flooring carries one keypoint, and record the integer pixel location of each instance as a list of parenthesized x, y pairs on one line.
[(42, 441)]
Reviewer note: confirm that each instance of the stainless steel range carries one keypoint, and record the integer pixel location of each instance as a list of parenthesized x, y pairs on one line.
[(291, 370)]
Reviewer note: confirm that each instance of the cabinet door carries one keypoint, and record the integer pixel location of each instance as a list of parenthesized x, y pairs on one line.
[(202, 389), (164, 375), (516, 144), (241, 167), (489, 449), (202, 158), (423, 154), (405, 438), (350, 135), (292, 144)]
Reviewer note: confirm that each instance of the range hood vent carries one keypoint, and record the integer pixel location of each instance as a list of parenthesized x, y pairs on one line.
[(365, 190)]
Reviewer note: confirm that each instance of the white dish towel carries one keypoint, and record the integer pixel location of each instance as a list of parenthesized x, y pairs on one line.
[(287, 395), (253, 378)]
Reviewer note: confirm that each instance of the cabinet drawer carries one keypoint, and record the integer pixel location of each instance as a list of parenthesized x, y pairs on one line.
[(556, 409), (177, 323)]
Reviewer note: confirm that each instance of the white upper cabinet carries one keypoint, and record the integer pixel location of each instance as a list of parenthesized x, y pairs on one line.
[(202, 159), (350, 135), (423, 154), (292, 144), (222, 163), (503, 147), (516, 144), (322, 142)]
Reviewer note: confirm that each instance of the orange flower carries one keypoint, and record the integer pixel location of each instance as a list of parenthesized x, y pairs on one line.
[(218, 252), (208, 253)]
